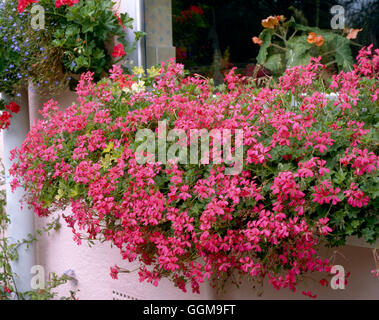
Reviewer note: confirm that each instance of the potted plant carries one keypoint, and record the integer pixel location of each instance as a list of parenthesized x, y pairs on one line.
[(76, 36), (287, 43), (13, 79)]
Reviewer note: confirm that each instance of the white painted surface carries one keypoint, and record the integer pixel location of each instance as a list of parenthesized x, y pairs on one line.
[(22, 219), (135, 9)]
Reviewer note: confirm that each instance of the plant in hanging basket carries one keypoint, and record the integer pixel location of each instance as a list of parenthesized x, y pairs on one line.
[(309, 174), (76, 34), (12, 58), (74, 38)]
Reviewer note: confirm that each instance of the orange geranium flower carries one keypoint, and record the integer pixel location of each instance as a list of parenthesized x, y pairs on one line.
[(315, 38), (352, 33), (319, 41), (311, 37), (270, 22), (256, 40)]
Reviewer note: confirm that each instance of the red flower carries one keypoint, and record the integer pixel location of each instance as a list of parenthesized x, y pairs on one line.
[(196, 9), (4, 120), (59, 3), (114, 272), (118, 51), (324, 282), (14, 107), (309, 294), (187, 14), (181, 53), (22, 4), (117, 15), (125, 81)]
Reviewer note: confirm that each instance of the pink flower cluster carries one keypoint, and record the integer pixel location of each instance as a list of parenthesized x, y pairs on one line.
[(192, 223)]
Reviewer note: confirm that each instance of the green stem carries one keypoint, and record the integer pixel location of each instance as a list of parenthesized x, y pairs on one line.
[(331, 62), (279, 47), (280, 36), (292, 35), (328, 52)]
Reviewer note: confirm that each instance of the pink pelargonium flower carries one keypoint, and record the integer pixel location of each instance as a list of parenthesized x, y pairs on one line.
[(309, 294), (118, 51), (114, 272), (356, 197)]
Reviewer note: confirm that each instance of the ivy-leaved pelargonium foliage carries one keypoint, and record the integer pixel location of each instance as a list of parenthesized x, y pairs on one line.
[(309, 174)]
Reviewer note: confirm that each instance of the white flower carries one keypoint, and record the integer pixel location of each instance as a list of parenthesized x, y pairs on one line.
[(138, 86)]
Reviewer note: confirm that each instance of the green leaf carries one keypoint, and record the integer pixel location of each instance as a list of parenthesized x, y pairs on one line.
[(74, 192), (274, 63), (58, 42), (109, 147), (81, 62), (340, 177), (298, 51), (368, 234), (343, 53), (265, 36)]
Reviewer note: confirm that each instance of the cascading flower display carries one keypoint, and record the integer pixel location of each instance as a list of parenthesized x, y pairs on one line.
[(309, 173)]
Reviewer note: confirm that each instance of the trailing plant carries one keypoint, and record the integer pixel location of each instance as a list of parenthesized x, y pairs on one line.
[(286, 43), (309, 174), (78, 32), (12, 48), (9, 254)]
